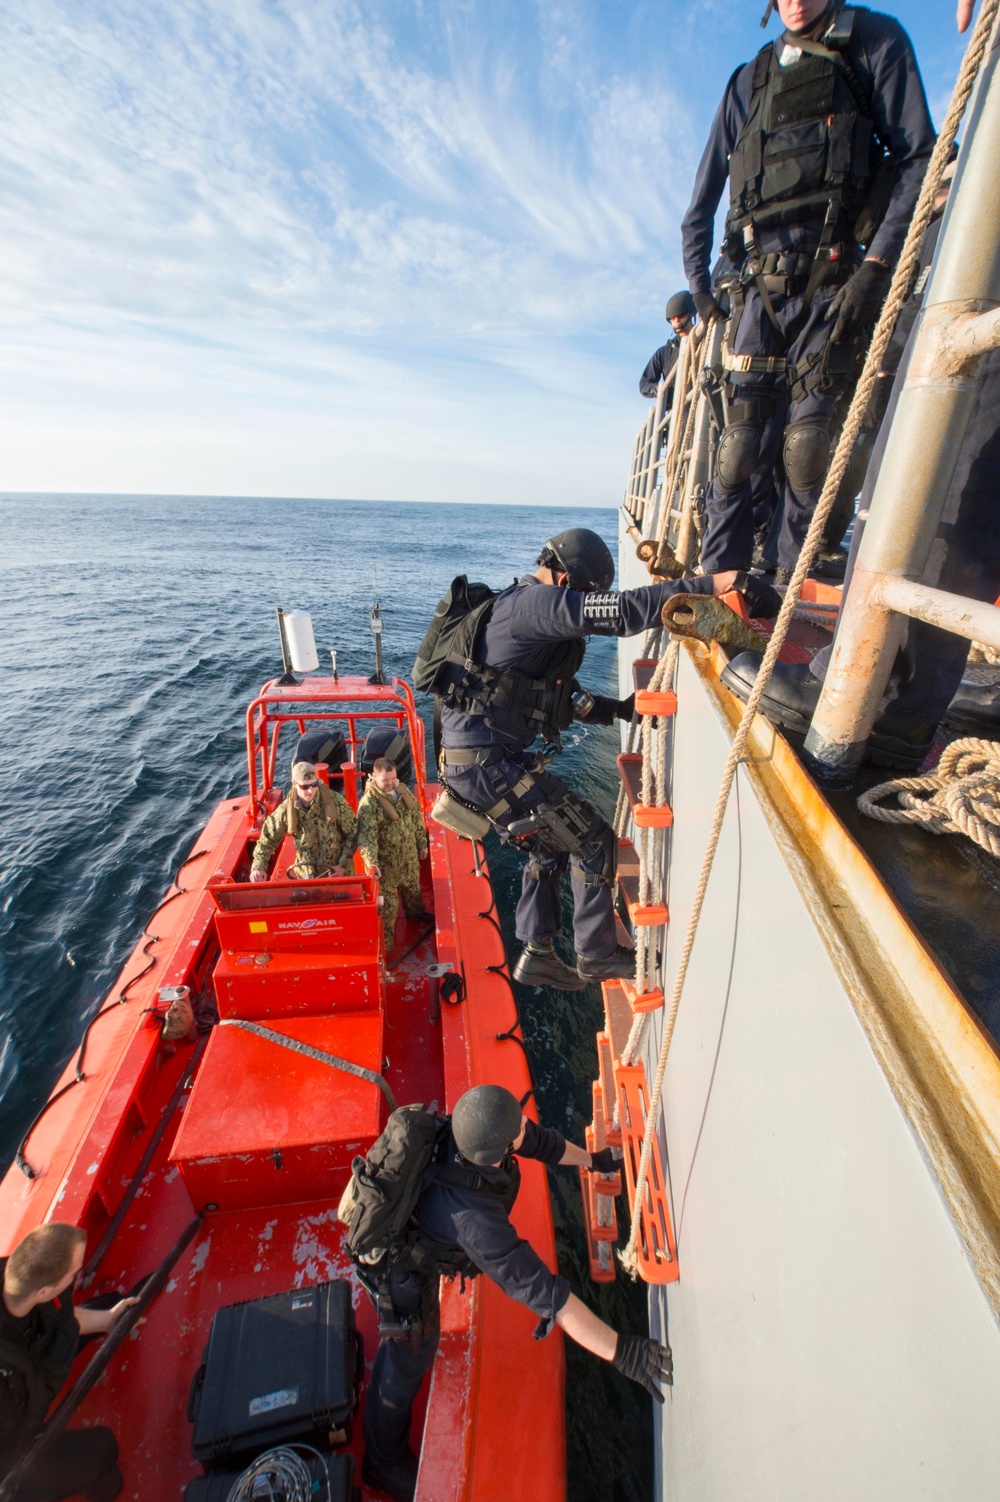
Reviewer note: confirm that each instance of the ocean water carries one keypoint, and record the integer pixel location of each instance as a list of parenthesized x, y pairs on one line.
[(133, 632)]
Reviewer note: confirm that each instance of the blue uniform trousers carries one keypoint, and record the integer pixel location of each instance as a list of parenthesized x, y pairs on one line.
[(592, 863), (399, 1368), (729, 530)]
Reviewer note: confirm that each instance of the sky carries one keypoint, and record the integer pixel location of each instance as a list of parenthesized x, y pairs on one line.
[(415, 249)]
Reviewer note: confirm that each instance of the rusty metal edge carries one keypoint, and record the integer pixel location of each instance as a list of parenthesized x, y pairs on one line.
[(941, 1064)]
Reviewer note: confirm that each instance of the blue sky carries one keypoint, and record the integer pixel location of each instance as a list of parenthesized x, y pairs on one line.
[(404, 248)]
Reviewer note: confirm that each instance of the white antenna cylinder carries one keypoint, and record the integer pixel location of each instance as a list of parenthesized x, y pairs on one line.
[(301, 642)]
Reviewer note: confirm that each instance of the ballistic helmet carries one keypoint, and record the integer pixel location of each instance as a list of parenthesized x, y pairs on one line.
[(583, 555), (681, 305), (485, 1123)]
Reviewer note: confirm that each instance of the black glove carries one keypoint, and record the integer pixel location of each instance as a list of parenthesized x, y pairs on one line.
[(858, 303), (763, 602), (626, 708), (605, 1161), (593, 709), (707, 306), (645, 1361)]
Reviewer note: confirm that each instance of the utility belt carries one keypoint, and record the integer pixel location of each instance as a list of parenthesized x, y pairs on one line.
[(461, 817), (789, 272), (557, 827)]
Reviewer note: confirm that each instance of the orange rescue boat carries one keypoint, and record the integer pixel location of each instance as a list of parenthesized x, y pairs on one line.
[(221, 1158)]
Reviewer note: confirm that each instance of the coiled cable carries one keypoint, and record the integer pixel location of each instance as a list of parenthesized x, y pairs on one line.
[(281, 1475)]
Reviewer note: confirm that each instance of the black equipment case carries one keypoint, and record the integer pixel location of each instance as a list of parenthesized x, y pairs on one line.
[(336, 1470), (276, 1369)]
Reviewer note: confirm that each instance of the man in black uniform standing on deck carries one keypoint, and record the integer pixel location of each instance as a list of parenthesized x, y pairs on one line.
[(823, 139), (680, 315), (517, 681)]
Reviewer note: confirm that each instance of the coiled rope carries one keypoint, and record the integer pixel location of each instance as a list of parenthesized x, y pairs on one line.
[(961, 797), (899, 290)]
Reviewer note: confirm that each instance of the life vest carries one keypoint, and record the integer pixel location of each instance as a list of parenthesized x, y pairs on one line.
[(808, 150)]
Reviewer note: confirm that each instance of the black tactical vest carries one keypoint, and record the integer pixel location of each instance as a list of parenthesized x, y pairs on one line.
[(515, 704), (808, 149)]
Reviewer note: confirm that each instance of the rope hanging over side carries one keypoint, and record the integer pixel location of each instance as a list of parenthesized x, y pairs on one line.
[(961, 797), (902, 281)]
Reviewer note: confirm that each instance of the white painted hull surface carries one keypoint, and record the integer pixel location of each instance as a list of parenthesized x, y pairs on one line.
[(831, 1338)]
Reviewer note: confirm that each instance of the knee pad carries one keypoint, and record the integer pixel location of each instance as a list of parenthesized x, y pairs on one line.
[(739, 449), (806, 454)]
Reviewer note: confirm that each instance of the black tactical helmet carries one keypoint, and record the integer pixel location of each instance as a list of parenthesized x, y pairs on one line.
[(584, 556), (485, 1123), (681, 305)]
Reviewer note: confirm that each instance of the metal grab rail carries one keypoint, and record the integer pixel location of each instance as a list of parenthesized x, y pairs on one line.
[(959, 326)]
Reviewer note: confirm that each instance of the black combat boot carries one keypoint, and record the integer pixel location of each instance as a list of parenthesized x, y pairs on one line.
[(618, 965), (539, 965), (975, 710), (790, 699)]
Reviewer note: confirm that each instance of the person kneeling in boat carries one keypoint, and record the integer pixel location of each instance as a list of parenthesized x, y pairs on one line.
[(392, 841), (40, 1333), (321, 822), (515, 681), (464, 1228)]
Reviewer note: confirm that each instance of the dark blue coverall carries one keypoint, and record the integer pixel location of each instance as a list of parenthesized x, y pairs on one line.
[(660, 366), (468, 1227), (528, 619), (884, 57)]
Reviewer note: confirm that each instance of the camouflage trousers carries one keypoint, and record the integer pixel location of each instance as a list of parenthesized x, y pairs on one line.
[(413, 903)]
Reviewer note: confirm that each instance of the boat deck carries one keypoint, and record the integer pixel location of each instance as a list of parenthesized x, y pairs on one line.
[(237, 1255)]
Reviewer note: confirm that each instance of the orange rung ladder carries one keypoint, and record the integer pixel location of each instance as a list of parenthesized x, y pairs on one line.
[(641, 914), (656, 1247), (663, 702), (645, 815)]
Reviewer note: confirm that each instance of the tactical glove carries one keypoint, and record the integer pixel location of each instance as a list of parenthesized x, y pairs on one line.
[(763, 602), (645, 1361), (858, 303), (707, 306), (626, 708), (605, 1161)]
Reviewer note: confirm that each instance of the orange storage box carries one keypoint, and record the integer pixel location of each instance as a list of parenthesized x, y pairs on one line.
[(265, 1126), (290, 948)]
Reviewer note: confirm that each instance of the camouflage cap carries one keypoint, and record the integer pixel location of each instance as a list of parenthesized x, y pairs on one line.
[(303, 772)]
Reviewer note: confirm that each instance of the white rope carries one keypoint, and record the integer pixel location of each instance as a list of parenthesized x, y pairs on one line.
[(899, 290)]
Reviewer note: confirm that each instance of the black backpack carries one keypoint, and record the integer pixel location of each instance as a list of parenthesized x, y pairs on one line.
[(381, 1196), (451, 636), (379, 1204)]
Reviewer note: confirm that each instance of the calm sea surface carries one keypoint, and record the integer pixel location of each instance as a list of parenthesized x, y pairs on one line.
[(134, 631)]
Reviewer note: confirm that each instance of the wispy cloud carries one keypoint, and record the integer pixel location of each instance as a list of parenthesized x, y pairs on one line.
[(452, 208)]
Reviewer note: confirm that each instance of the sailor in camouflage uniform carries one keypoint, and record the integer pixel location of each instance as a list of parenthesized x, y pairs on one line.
[(392, 841), (320, 820)]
